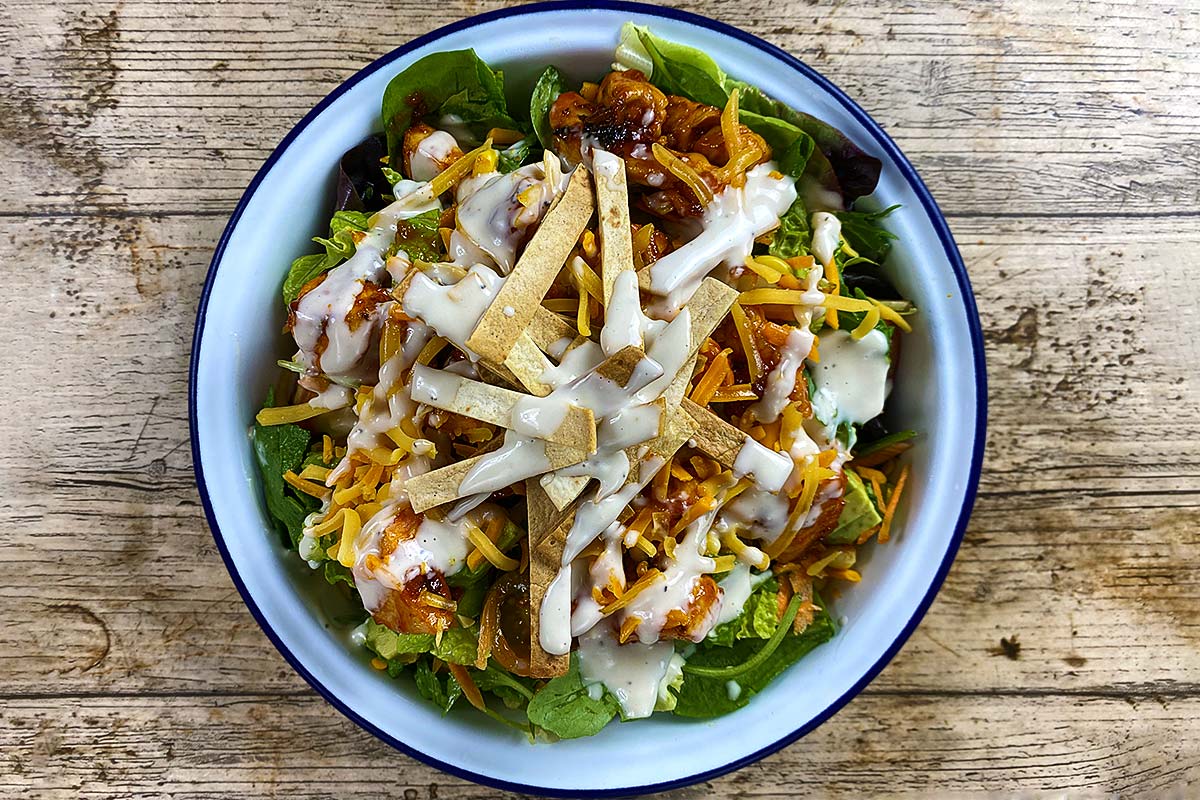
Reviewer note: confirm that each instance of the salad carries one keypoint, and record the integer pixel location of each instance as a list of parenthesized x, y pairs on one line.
[(585, 406)]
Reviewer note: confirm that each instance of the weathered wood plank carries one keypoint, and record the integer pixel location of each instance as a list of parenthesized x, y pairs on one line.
[(1005, 107), (1083, 541), (966, 746)]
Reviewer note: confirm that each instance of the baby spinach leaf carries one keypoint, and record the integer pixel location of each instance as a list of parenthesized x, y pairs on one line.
[(702, 696), (683, 70), (515, 155), (547, 89), (279, 448), (454, 84), (565, 708)]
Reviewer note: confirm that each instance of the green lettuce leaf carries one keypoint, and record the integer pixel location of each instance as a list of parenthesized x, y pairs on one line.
[(799, 141), (513, 691), (338, 247), (457, 646), (456, 84), (387, 644), (441, 692), (515, 154), (793, 237), (565, 708), (862, 231), (758, 620), (279, 448), (547, 89), (418, 237), (335, 573), (704, 697)]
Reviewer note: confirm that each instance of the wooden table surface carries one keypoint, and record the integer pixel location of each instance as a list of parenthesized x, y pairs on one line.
[(1061, 138)]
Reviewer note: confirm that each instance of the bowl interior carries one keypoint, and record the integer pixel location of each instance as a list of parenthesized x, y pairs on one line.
[(937, 393)]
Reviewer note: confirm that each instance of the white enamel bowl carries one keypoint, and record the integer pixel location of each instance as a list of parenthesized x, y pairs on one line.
[(940, 391)]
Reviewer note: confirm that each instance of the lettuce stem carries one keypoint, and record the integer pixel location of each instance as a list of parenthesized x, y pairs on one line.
[(725, 673)]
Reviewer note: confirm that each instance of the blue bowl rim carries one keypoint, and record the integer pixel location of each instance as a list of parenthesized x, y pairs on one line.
[(936, 218)]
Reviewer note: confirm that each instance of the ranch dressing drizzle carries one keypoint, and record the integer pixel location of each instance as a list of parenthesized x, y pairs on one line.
[(769, 469), (826, 236), (432, 155), (606, 570), (323, 310), (674, 589), (624, 322), (781, 380), (453, 311), (731, 222), (498, 211), (631, 672), (851, 379)]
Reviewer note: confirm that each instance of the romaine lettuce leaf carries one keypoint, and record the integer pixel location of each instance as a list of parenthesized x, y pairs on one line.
[(702, 696), (794, 234), (858, 514), (758, 620), (442, 693), (387, 644), (455, 84)]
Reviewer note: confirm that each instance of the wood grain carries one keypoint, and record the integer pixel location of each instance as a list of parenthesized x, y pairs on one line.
[(1061, 138)]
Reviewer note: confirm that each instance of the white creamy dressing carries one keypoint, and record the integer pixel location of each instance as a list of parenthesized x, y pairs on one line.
[(826, 236), (500, 207), (324, 309), (554, 616), (769, 469), (736, 588), (674, 589), (755, 514), (781, 380), (851, 379), (624, 322), (440, 546), (731, 223), (453, 311), (606, 569), (432, 155), (632, 672)]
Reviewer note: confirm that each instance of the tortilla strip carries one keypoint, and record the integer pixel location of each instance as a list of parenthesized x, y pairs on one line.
[(715, 437), (546, 328), (442, 485), (495, 405), (719, 440), (548, 525), (612, 212), (510, 313), (527, 363)]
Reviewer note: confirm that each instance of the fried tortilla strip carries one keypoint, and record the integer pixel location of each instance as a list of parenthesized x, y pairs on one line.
[(515, 305), (443, 485), (527, 363), (549, 526), (481, 401), (724, 443), (612, 212), (547, 328)]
